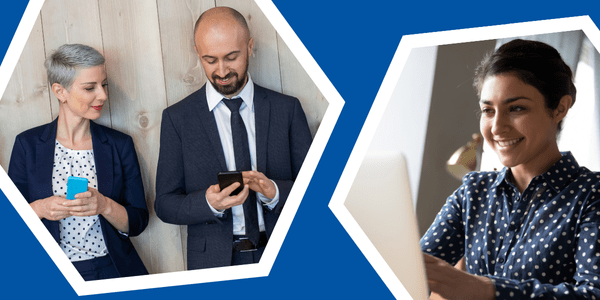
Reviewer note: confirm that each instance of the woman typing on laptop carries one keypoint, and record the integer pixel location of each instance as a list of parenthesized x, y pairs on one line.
[(532, 229)]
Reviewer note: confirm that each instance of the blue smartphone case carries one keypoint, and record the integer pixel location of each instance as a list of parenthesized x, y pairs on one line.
[(76, 185)]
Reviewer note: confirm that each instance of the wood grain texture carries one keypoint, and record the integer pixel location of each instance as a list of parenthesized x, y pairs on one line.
[(264, 62), (183, 71), (151, 64), (25, 103), (137, 92), (296, 82), (72, 22)]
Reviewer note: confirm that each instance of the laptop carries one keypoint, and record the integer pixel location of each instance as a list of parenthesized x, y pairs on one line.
[(381, 203)]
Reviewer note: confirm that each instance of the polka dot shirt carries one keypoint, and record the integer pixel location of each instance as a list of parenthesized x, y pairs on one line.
[(541, 244), (80, 237)]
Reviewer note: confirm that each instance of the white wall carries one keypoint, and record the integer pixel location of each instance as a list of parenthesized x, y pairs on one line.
[(404, 124)]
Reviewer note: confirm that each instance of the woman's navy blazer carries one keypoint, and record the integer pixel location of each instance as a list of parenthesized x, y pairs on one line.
[(119, 178)]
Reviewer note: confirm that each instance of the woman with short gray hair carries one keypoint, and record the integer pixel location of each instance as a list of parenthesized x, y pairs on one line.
[(93, 226)]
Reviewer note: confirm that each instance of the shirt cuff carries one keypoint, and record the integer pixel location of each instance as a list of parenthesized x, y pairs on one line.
[(216, 212), (270, 203), (507, 289)]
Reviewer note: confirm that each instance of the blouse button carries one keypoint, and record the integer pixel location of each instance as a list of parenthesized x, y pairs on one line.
[(500, 260)]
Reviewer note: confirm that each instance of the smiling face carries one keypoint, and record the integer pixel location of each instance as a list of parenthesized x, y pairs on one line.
[(517, 125), (87, 94), (224, 48)]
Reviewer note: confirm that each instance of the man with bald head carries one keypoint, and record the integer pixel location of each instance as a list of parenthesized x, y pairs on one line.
[(230, 124)]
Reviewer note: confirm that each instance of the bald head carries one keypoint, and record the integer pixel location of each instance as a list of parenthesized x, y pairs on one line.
[(223, 44), (221, 14)]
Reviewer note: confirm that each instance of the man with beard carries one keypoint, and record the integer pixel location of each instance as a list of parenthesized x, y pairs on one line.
[(229, 124)]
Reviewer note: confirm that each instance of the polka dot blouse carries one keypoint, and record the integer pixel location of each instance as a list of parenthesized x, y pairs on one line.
[(80, 237), (541, 244)]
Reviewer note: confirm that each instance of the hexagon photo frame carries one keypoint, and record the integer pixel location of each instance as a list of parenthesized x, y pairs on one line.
[(399, 125), (154, 38)]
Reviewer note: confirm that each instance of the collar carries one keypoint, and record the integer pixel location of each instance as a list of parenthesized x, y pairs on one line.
[(562, 172), (214, 98), (558, 176), (500, 180)]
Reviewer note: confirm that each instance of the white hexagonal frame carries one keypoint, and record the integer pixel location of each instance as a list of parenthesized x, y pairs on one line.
[(263, 268), (385, 94)]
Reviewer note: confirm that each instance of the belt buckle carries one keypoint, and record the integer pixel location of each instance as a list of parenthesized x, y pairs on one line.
[(247, 241)]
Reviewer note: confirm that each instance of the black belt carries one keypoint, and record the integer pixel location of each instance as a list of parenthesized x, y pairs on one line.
[(241, 243)]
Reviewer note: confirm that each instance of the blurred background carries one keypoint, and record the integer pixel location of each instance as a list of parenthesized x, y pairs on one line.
[(432, 114)]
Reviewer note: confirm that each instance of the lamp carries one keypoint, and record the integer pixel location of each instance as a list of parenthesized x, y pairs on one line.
[(467, 158)]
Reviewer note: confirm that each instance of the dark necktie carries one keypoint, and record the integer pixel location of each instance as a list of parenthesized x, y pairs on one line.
[(242, 163)]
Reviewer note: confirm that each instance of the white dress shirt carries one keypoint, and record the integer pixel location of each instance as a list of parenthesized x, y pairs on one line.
[(223, 118)]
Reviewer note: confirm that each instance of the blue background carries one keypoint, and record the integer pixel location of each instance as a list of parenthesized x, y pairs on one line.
[(354, 43)]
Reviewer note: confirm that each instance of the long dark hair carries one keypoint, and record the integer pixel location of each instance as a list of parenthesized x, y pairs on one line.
[(535, 63)]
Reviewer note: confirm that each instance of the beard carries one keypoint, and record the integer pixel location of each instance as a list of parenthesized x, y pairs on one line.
[(235, 86)]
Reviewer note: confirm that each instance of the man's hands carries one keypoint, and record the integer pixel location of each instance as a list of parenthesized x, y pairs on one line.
[(222, 199), (259, 183), (253, 180)]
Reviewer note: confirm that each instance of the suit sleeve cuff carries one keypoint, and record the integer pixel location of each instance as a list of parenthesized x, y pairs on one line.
[(270, 203), (218, 213)]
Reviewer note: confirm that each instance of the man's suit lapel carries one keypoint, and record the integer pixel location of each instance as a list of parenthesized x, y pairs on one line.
[(103, 156), (210, 126), (261, 119)]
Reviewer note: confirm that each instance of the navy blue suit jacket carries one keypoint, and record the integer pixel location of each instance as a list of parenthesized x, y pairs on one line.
[(119, 179), (191, 155)]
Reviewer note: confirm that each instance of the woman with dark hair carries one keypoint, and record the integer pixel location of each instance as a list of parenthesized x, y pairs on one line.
[(532, 229), (94, 229)]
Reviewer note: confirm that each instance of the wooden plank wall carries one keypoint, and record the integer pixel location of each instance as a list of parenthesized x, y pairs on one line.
[(151, 64)]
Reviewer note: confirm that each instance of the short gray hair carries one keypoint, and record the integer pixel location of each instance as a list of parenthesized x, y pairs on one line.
[(62, 65)]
